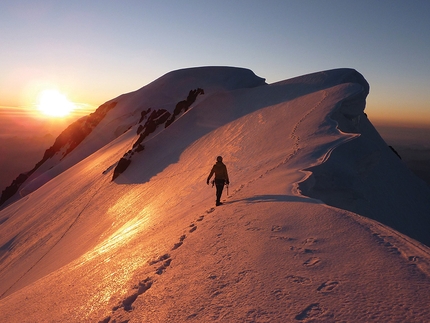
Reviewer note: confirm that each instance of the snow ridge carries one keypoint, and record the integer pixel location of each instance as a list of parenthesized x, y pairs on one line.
[(343, 177), (285, 246), (126, 111)]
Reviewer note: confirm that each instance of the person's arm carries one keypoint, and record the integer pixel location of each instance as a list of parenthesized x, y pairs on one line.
[(210, 175)]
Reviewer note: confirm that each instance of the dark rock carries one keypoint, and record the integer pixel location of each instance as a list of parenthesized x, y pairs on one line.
[(182, 106), (10, 191), (139, 148), (154, 120), (121, 167), (143, 114)]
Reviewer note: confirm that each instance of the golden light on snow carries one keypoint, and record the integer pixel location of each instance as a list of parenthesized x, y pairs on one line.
[(112, 277), (119, 238), (55, 104), (123, 235)]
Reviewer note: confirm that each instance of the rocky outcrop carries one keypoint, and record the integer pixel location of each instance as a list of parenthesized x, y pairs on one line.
[(154, 119), (183, 106), (9, 191)]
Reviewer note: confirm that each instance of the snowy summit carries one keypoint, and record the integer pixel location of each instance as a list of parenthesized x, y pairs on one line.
[(322, 221)]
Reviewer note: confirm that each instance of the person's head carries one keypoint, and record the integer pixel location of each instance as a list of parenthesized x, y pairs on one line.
[(219, 159)]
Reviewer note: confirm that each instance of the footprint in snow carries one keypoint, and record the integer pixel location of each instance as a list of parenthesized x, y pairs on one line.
[(210, 210), (327, 286), (163, 267), (144, 285), (277, 228), (128, 301), (105, 320), (279, 294), (181, 241), (312, 262), (161, 258), (302, 250), (312, 311), (310, 241), (298, 280)]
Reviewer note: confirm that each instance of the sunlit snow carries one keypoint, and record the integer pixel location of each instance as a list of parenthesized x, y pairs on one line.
[(322, 221)]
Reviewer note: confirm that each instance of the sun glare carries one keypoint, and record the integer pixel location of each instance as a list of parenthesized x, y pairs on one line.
[(53, 103)]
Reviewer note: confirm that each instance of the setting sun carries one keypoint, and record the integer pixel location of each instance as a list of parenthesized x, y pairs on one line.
[(54, 104)]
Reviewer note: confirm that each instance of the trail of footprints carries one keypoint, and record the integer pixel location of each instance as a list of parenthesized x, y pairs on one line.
[(161, 264), (306, 248)]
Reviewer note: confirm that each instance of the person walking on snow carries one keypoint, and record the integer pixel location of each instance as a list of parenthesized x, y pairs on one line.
[(221, 178)]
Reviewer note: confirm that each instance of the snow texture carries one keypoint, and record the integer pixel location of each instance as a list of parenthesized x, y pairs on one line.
[(322, 221)]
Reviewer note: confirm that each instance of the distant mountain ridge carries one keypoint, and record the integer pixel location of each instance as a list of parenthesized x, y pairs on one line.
[(66, 142), (141, 100)]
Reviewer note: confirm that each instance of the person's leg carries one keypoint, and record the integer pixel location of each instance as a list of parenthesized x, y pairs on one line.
[(219, 189)]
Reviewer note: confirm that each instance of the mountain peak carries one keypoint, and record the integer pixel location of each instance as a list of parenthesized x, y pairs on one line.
[(318, 209)]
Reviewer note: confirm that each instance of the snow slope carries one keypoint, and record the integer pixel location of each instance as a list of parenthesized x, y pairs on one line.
[(163, 93), (299, 238)]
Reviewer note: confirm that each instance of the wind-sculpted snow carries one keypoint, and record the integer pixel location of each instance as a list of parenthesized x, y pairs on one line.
[(150, 246), (366, 176)]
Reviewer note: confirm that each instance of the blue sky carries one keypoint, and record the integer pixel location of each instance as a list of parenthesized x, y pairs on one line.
[(96, 50)]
